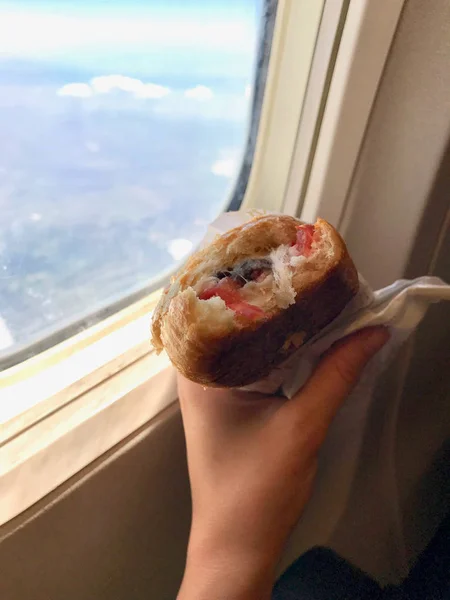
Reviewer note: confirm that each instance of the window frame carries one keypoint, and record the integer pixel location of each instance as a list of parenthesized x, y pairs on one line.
[(107, 381), (367, 36)]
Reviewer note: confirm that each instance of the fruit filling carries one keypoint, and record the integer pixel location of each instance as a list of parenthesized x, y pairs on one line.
[(227, 284)]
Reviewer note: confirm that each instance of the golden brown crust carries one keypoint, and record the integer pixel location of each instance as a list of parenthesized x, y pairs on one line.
[(227, 352)]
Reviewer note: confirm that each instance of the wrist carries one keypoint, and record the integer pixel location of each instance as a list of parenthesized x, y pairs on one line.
[(222, 574)]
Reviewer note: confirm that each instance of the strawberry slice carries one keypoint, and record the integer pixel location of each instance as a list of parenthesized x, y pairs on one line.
[(248, 311), (227, 289), (305, 237)]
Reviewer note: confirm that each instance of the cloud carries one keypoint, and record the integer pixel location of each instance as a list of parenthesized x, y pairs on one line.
[(152, 90), (77, 90), (179, 248), (199, 92), (225, 168), (105, 84), (248, 91)]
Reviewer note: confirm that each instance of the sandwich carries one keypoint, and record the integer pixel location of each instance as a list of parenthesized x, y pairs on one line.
[(244, 304)]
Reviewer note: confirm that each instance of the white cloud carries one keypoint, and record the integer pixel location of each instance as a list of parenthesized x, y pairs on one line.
[(152, 90), (107, 83), (77, 90), (225, 167), (199, 92), (35, 216), (179, 248), (248, 91)]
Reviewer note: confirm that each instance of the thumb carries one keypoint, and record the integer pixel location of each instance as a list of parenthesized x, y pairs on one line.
[(336, 375)]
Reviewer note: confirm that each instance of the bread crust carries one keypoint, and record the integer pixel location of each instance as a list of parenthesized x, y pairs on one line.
[(230, 352)]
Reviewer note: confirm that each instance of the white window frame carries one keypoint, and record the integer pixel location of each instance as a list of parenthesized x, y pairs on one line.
[(367, 36), (62, 409)]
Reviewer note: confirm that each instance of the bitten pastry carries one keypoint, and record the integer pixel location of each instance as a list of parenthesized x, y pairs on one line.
[(245, 303)]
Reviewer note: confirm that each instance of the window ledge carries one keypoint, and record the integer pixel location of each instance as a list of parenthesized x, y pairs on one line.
[(48, 381), (41, 457)]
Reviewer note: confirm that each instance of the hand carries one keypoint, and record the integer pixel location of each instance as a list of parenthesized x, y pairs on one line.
[(252, 461)]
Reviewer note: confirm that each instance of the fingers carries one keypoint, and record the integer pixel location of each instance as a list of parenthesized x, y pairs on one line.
[(336, 375)]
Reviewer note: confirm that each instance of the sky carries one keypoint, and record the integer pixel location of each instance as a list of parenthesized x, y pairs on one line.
[(83, 32), (125, 125), (141, 48)]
